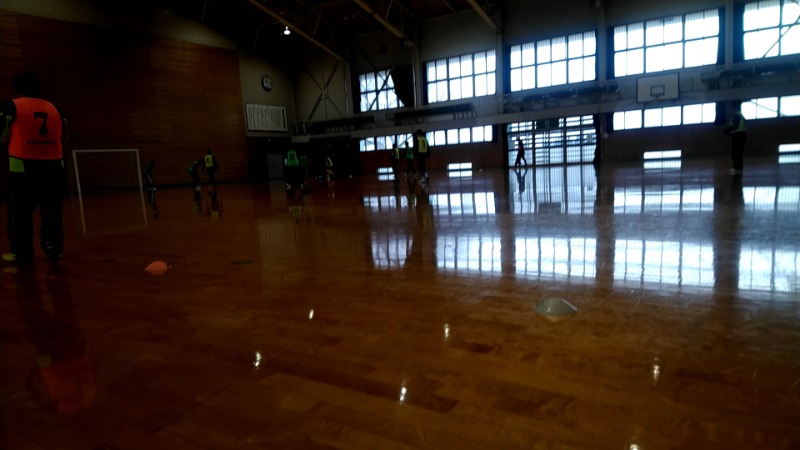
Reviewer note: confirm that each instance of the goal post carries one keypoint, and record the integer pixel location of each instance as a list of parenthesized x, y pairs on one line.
[(108, 172)]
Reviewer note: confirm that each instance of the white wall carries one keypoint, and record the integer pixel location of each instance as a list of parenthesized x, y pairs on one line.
[(251, 69), (332, 102)]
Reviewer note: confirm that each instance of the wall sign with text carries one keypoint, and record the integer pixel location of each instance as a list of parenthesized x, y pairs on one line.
[(266, 118)]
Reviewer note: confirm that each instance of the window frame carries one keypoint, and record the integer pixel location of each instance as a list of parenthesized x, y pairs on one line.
[(786, 34), (451, 136), (370, 92), (461, 77), (644, 47), (635, 119), (531, 63)]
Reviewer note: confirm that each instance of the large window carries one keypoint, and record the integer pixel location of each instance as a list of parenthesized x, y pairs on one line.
[(385, 142), (552, 62), (665, 117), (675, 42), (771, 107), (771, 28), (435, 138), (557, 141), (377, 91), (464, 76), (460, 135)]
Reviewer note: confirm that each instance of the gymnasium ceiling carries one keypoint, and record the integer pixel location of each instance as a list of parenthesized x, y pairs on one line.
[(331, 25)]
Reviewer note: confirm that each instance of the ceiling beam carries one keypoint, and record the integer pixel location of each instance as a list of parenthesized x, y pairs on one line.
[(393, 29), (449, 6), (407, 10), (483, 15), (294, 28)]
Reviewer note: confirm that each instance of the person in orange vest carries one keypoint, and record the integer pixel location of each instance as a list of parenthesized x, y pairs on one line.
[(34, 130)]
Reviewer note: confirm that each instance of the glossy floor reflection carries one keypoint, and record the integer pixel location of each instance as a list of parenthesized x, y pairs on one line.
[(380, 315)]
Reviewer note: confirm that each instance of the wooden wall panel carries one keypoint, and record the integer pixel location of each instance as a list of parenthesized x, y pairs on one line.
[(120, 89), (11, 63)]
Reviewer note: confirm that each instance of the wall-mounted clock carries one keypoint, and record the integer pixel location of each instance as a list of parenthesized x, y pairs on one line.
[(266, 83)]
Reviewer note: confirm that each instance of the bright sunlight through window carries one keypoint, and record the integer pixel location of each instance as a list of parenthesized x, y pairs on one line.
[(675, 42), (771, 28)]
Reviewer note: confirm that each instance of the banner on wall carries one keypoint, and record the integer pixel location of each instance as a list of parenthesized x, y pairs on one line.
[(266, 118)]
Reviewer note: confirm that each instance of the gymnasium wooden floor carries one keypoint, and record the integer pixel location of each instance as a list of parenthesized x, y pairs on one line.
[(375, 316)]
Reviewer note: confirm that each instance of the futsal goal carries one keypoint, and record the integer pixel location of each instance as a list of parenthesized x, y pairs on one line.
[(109, 187)]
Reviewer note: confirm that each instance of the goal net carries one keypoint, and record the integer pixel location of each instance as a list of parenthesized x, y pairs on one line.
[(109, 189)]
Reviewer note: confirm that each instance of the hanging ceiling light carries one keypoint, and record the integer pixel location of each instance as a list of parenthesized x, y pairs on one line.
[(286, 31)]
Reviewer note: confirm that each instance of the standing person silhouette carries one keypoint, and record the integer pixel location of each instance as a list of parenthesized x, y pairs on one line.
[(151, 187), (422, 152), (520, 154), (411, 170), (395, 161), (148, 174), (211, 167), (194, 172), (737, 131), (34, 130)]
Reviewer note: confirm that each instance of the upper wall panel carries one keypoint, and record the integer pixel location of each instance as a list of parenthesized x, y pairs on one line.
[(455, 35), (625, 11), (527, 21), (121, 15)]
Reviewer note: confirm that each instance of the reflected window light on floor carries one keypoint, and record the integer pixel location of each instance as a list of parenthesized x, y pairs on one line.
[(385, 202), (701, 199), (385, 174), (772, 198), (464, 204), (551, 258), (455, 204), (555, 189), (789, 153), (520, 193), (641, 263), (662, 160), (390, 252), (581, 189), (474, 253), (459, 170), (635, 200), (769, 269), (762, 266)]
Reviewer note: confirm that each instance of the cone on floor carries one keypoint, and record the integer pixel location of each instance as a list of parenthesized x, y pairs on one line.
[(555, 309), (157, 268)]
